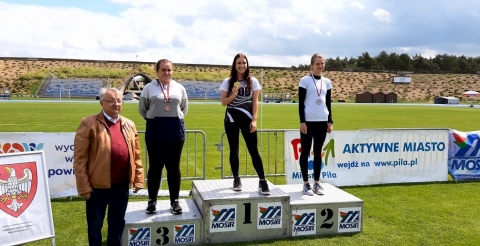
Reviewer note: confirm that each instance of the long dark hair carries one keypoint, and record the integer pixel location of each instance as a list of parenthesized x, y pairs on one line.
[(233, 73)]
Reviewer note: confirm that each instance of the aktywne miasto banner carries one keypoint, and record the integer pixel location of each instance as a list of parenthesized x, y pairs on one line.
[(25, 209), (464, 155), (380, 156), (58, 148)]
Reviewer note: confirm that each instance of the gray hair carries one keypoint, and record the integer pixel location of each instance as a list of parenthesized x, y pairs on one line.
[(104, 90)]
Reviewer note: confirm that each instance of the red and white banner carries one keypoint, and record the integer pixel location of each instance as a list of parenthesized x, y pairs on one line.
[(380, 156), (58, 148), (25, 209)]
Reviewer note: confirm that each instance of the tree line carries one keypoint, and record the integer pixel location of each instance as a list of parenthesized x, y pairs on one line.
[(402, 62)]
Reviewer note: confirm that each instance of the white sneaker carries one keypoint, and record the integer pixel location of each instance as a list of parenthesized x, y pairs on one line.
[(318, 189), (307, 190)]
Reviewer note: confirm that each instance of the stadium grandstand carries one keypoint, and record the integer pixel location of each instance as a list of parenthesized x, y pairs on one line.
[(69, 88), (276, 97), (200, 90), (52, 87), (196, 90)]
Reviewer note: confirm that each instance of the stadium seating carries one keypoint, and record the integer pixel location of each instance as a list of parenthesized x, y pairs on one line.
[(202, 90), (80, 88)]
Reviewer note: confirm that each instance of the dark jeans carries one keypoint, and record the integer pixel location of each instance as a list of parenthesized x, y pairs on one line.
[(317, 131), (166, 155), (117, 199)]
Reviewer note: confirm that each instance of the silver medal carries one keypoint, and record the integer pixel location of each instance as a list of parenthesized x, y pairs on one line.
[(319, 101)]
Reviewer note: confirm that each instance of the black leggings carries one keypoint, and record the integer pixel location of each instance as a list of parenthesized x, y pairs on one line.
[(231, 129), (317, 131), (164, 155)]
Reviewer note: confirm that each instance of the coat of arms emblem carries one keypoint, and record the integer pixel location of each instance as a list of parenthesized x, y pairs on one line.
[(18, 186)]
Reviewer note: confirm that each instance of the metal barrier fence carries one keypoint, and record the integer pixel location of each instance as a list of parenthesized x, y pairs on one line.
[(192, 156), (271, 148)]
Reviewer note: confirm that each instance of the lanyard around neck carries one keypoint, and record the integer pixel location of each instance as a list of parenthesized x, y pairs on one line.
[(167, 96), (315, 83)]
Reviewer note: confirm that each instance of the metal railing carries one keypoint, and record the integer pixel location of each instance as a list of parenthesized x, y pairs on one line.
[(194, 161), (48, 76), (271, 147)]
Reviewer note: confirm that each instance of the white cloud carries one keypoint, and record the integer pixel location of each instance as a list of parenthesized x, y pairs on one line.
[(357, 5), (336, 5), (382, 15), (428, 53), (213, 31), (475, 13)]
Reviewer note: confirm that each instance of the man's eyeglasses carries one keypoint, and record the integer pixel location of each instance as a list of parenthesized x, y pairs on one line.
[(113, 102)]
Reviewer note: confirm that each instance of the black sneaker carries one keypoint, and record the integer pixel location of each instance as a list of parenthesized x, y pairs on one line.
[(263, 187), (152, 207), (237, 184), (175, 208)]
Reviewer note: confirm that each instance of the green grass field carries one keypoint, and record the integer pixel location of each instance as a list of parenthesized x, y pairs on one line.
[(399, 214)]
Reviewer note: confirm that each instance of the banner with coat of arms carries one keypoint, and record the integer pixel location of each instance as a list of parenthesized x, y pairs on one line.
[(25, 209)]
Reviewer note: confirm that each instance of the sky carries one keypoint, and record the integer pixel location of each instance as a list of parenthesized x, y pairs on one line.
[(278, 33)]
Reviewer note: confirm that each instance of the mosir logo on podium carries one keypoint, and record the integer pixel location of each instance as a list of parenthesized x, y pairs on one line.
[(349, 219), (222, 218), (269, 215), (303, 222), (184, 233), (139, 236), (18, 186)]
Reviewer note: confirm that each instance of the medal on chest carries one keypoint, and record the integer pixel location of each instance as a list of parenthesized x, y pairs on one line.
[(319, 100), (166, 96)]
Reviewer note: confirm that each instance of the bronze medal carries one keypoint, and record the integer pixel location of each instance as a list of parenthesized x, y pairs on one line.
[(166, 108)]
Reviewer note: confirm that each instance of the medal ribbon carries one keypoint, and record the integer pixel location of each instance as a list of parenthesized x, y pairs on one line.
[(166, 97), (321, 84)]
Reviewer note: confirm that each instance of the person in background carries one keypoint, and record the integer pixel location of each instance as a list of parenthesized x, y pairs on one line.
[(240, 94), (315, 111), (164, 104), (107, 162)]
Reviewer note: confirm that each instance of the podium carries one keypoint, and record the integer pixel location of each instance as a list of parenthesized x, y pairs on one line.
[(218, 214), (162, 227), (335, 212), (233, 216)]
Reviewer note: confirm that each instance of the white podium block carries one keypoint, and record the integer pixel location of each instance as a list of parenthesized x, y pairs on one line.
[(162, 228), (334, 212), (234, 216)]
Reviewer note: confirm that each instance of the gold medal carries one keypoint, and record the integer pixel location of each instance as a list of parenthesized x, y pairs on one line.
[(166, 108)]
